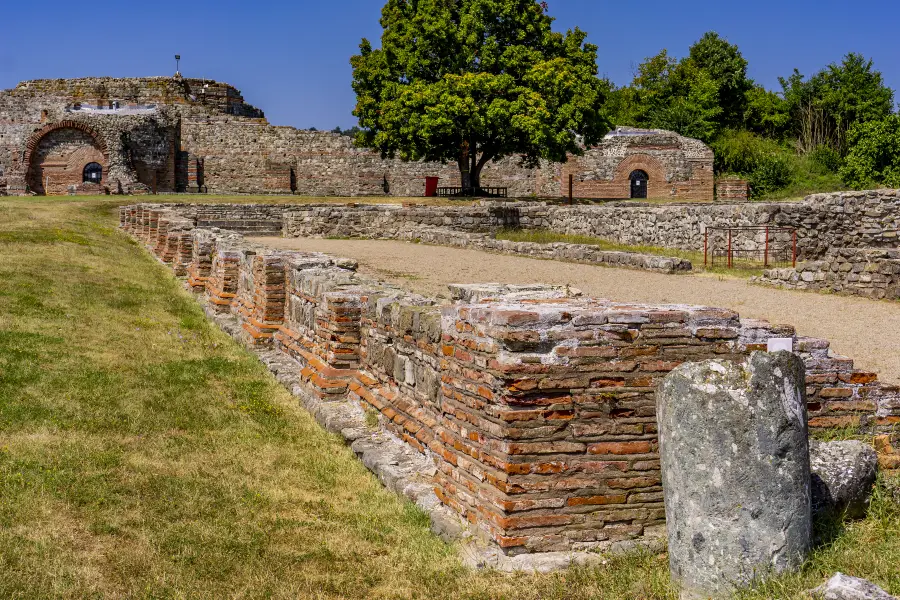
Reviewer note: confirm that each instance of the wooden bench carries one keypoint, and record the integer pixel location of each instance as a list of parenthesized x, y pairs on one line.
[(479, 192)]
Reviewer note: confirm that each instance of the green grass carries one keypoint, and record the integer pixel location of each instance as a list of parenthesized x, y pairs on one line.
[(145, 454), (544, 236), (809, 177)]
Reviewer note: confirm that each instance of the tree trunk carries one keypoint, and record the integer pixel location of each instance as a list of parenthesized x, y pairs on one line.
[(465, 172), (470, 165)]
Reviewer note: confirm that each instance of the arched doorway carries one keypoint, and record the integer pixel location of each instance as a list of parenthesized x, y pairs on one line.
[(59, 158), (92, 173), (639, 181)]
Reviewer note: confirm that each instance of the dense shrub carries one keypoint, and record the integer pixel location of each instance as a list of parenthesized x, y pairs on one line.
[(873, 158), (774, 172), (826, 158), (767, 165)]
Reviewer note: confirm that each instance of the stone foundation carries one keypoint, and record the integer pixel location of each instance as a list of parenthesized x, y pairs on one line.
[(857, 220), (851, 271), (535, 406)]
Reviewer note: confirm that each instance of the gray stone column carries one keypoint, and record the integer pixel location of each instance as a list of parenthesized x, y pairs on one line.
[(735, 464)]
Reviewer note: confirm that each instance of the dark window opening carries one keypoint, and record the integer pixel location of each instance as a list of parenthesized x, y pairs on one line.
[(93, 173), (639, 181)]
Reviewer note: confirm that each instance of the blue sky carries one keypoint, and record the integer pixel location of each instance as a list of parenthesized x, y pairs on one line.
[(291, 58)]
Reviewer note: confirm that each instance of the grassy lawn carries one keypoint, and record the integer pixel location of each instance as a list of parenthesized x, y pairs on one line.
[(144, 454)]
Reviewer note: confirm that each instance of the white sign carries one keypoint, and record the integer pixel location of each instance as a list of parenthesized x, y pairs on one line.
[(777, 344)]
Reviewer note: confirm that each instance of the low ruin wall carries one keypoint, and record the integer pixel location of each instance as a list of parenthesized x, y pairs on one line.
[(535, 407), (851, 271), (823, 221)]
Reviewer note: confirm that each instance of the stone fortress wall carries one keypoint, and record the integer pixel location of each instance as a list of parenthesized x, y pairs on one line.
[(535, 406), (193, 135)]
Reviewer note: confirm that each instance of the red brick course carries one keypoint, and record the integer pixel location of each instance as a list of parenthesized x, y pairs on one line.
[(539, 415)]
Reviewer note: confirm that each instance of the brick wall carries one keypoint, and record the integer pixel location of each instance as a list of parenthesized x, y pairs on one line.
[(732, 190), (537, 409)]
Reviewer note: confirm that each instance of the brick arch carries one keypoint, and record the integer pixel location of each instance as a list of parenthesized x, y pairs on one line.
[(36, 137), (643, 162), (66, 170), (657, 186)]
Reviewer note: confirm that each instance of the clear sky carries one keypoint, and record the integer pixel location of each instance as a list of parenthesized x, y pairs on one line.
[(291, 58)]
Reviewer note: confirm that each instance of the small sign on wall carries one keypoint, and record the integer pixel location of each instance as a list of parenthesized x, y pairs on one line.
[(778, 344)]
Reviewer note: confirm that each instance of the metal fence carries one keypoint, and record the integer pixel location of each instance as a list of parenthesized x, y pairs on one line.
[(750, 247)]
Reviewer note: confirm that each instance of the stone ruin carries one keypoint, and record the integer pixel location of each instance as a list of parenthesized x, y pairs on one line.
[(175, 134), (529, 413)]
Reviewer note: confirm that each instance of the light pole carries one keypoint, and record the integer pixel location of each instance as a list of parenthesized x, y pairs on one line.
[(177, 64)]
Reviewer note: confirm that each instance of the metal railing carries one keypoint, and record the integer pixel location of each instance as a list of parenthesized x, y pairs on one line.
[(750, 247)]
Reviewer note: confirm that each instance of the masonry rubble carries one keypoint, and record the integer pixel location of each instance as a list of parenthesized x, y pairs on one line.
[(845, 587), (843, 477), (534, 408)]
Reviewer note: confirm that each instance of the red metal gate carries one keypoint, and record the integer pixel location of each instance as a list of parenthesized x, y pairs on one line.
[(750, 247)]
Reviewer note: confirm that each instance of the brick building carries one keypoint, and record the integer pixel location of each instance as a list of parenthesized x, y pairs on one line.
[(172, 134)]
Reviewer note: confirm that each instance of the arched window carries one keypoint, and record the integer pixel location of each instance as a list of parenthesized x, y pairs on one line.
[(93, 173), (639, 181)]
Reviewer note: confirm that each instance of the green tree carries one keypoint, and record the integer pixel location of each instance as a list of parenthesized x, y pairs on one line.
[(670, 94), (767, 113), (824, 107), (874, 154), (691, 106), (726, 67), (477, 80)]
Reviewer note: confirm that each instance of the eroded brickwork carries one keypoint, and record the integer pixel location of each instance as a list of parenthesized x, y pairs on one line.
[(536, 407)]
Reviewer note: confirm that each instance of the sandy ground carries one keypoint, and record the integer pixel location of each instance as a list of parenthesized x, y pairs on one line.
[(866, 330)]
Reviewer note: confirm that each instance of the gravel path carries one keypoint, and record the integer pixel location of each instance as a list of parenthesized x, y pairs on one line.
[(867, 331)]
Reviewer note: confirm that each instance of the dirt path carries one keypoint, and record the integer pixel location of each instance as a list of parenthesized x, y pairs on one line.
[(865, 330)]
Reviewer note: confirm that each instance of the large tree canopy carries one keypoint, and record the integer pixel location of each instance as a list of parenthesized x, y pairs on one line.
[(477, 80), (697, 96), (825, 106)]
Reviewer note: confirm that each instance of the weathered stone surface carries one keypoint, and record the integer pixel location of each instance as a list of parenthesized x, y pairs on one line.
[(843, 474), (844, 587), (867, 272), (735, 464)]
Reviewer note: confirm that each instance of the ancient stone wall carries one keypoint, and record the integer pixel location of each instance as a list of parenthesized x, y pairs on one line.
[(536, 406), (210, 140), (823, 221), (449, 226), (863, 272)]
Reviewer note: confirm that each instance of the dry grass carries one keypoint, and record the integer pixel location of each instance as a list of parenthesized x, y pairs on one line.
[(144, 454)]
